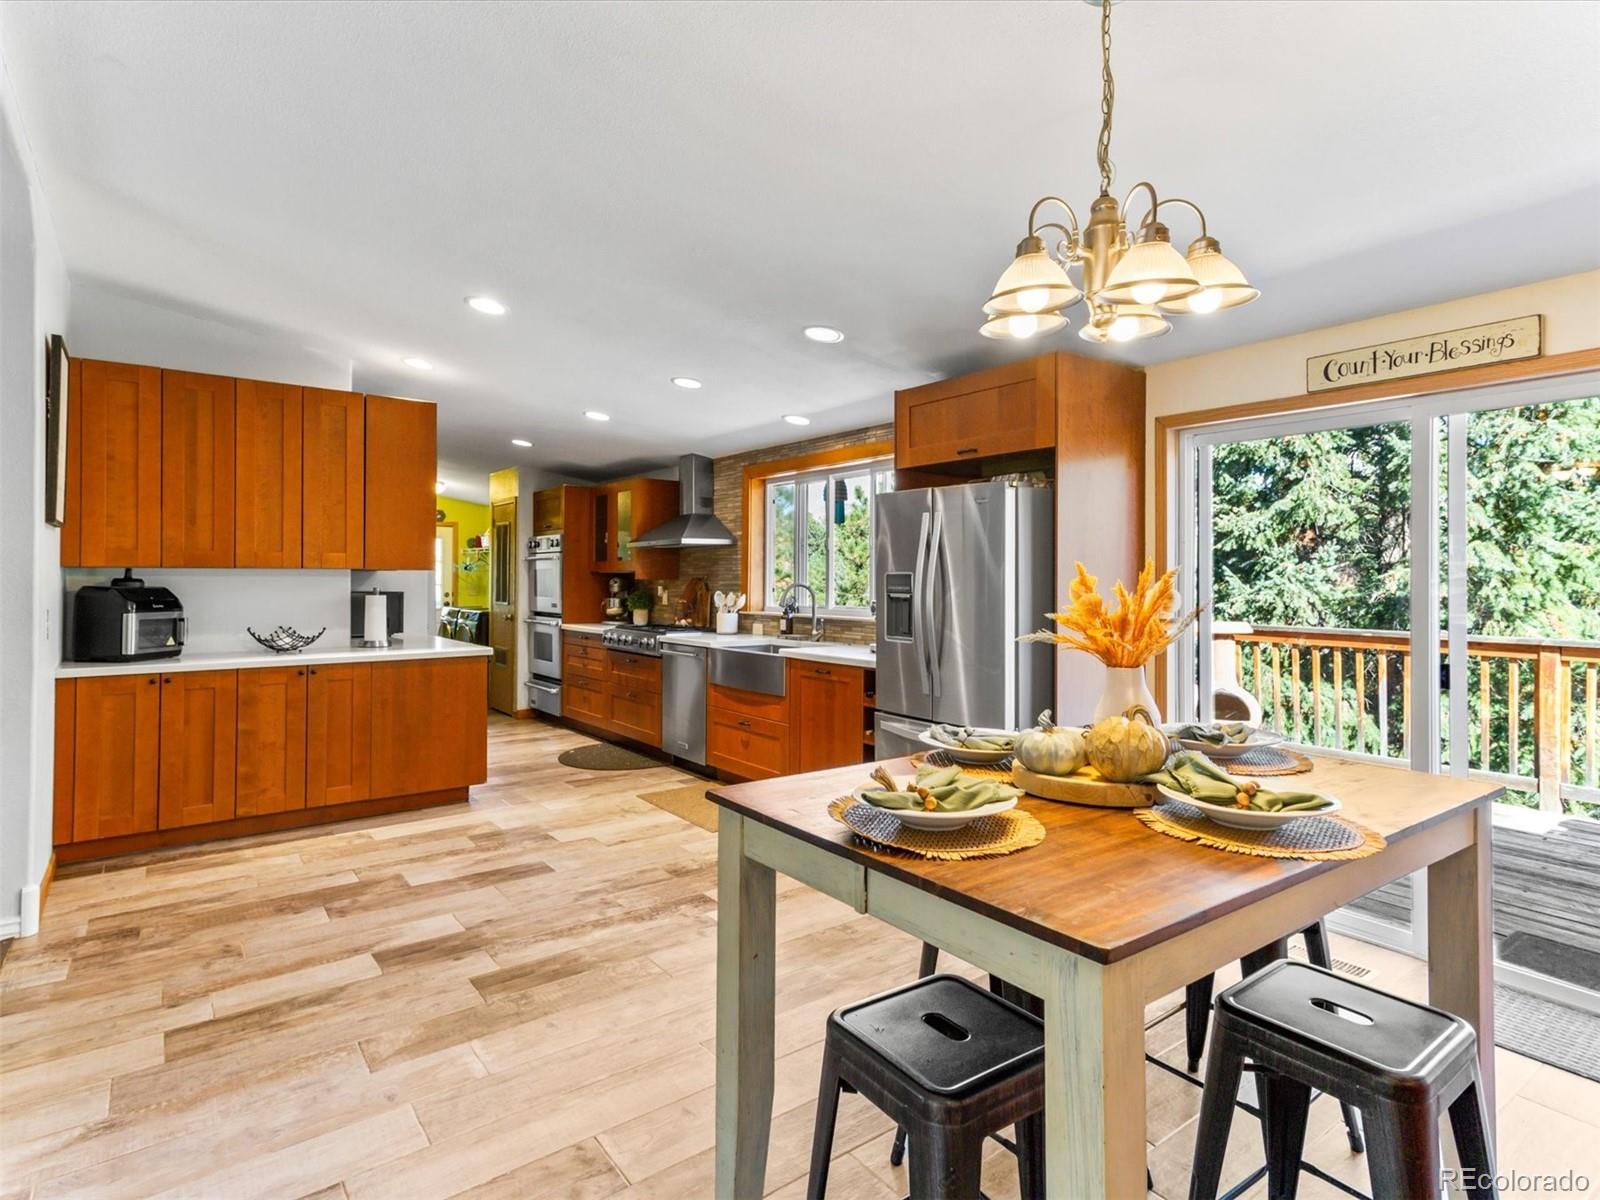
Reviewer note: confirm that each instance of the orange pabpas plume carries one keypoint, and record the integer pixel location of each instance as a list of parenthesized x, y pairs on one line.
[(1141, 626)]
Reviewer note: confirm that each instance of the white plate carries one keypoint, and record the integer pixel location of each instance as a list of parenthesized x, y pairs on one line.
[(973, 757), (1259, 740), (920, 819), (1247, 818)]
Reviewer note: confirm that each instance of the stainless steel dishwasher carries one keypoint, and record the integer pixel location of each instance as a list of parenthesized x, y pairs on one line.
[(683, 701)]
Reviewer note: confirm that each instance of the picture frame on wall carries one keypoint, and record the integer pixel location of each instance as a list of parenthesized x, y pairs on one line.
[(56, 401)]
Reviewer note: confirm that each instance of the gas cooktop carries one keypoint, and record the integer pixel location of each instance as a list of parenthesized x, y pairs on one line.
[(641, 639)]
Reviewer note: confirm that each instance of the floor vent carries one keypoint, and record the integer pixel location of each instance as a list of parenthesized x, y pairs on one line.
[(1351, 969)]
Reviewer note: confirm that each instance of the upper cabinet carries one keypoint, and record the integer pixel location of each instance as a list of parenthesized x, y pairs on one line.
[(402, 468), (268, 460), (333, 472), (113, 516), (628, 507), (196, 470), (548, 505), (1004, 410)]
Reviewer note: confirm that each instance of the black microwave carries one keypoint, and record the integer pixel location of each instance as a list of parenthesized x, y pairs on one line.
[(125, 621)]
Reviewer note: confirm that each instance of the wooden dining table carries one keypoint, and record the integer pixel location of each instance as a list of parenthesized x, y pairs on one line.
[(1099, 919)]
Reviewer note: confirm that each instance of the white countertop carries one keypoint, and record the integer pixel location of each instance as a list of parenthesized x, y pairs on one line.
[(828, 652), (592, 627), (435, 647)]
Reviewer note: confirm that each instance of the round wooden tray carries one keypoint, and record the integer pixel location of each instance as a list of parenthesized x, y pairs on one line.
[(1085, 787)]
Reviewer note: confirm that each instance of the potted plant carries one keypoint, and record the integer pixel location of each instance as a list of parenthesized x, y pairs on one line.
[(640, 598)]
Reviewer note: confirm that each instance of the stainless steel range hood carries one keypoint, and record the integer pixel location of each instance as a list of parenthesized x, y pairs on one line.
[(695, 524)]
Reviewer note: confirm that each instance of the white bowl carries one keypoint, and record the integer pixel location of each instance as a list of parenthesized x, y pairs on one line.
[(920, 819), (1259, 739), (1247, 818), (974, 757)]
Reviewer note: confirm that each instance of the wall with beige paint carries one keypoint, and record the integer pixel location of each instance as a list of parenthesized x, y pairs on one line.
[(1277, 368)]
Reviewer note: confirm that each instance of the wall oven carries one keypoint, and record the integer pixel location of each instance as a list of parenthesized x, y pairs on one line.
[(544, 647), (545, 558)]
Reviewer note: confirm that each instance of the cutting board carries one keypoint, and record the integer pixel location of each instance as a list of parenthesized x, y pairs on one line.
[(1084, 787)]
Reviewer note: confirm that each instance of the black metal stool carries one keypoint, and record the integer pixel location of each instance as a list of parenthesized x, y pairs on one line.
[(1401, 1064), (1197, 1009), (951, 1063)]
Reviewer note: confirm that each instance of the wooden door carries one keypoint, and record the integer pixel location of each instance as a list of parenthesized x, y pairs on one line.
[(827, 715), (113, 516), (116, 756), (402, 469), (504, 563), (271, 753), (197, 448), (268, 431), (430, 728), (333, 478), (338, 733), (199, 728)]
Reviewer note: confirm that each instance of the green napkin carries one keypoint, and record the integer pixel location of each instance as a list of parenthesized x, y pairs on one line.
[(950, 789), (1225, 733), (1195, 775)]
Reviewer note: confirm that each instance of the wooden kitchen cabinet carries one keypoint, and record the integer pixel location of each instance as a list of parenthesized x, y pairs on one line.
[(587, 699), (401, 471), (197, 466), (338, 743), (271, 748), (826, 715), (333, 478), (116, 755), (634, 682), (113, 514), (267, 456), (746, 746), (625, 509), (430, 725), (548, 509), (199, 728), (1003, 410)]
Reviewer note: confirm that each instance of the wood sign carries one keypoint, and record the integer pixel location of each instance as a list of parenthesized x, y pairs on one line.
[(1479, 345)]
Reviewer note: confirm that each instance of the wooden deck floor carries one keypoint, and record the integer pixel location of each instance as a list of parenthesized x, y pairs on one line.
[(1547, 884)]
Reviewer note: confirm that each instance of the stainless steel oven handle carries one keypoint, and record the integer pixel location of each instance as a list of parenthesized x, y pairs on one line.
[(918, 635)]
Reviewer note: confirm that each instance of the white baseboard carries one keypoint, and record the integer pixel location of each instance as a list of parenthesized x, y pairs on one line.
[(9, 927), (28, 919)]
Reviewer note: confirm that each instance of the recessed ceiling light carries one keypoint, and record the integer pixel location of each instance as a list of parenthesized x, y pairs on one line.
[(523, 442), (418, 364), (439, 486), (823, 333), (795, 419), (597, 416), (487, 305), (684, 381)]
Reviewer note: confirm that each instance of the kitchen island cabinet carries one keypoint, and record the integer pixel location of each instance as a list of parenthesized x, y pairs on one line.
[(115, 766), (271, 773), (338, 734), (199, 736), (430, 726)]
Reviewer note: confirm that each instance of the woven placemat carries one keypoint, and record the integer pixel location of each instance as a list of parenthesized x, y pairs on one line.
[(1267, 760), (1310, 838), (938, 758), (987, 837)]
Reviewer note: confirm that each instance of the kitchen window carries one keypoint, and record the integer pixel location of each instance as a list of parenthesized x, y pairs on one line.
[(819, 533)]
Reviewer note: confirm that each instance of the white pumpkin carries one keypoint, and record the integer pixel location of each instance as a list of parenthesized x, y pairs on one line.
[(1051, 749), (1125, 747)]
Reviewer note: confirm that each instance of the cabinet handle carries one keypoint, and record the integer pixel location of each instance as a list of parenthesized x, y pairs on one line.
[(301, 671), (166, 679), (313, 670), (744, 724), (823, 671), (967, 450), (151, 681)]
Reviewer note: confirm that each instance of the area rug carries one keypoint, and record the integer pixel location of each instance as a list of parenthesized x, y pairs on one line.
[(1559, 960), (687, 803), (604, 757), (1563, 1037)]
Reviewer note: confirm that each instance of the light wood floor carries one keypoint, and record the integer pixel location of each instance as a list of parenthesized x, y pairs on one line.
[(511, 999)]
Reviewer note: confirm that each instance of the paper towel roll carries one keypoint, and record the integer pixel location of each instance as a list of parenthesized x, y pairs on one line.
[(375, 620)]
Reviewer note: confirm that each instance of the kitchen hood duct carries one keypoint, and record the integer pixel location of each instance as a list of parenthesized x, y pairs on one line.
[(695, 524)]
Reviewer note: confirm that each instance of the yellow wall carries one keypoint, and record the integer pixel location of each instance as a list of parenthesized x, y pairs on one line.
[(472, 586), (1277, 368)]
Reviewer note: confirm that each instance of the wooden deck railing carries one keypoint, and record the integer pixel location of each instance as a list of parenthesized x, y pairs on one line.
[(1534, 723)]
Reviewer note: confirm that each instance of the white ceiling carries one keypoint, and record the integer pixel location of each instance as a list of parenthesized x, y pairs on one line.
[(661, 189)]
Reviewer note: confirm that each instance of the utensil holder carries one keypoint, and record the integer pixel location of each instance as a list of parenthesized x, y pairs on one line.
[(727, 622)]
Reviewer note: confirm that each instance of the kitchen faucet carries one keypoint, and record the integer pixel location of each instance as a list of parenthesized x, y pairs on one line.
[(786, 602)]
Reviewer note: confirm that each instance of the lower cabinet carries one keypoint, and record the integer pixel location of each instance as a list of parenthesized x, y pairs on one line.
[(271, 772), (199, 730), (615, 691), (144, 754), (338, 734), (116, 755), (826, 707), (746, 746), (587, 699), (430, 725)]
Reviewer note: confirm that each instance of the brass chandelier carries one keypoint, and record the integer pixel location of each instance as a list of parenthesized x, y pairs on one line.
[(1129, 284)]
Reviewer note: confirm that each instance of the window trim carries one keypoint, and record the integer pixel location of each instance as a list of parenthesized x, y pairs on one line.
[(753, 563)]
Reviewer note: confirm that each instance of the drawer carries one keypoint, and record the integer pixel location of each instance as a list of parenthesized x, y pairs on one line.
[(748, 704), (817, 670), (586, 700), (637, 714), (749, 747), (593, 670), (634, 670), (588, 647)]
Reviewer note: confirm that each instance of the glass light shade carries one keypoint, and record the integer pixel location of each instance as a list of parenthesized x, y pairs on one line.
[(1124, 323), (1222, 285), (1033, 283), (1149, 272), (1018, 327)]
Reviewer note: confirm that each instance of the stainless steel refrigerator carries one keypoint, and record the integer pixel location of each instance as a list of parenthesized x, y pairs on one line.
[(961, 572)]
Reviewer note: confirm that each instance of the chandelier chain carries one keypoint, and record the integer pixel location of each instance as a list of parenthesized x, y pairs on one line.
[(1107, 94)]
